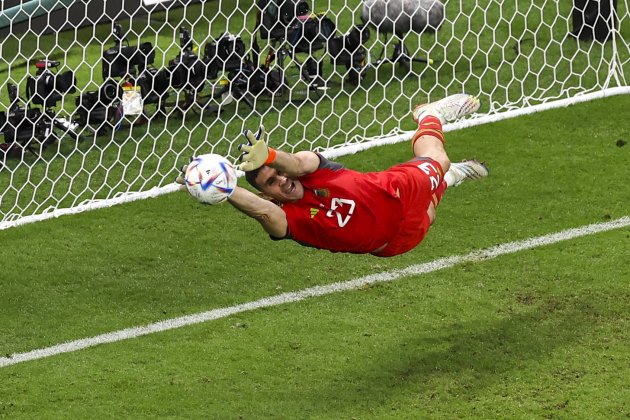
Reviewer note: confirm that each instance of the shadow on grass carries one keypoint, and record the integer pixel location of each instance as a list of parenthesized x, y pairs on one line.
[(458, 362)]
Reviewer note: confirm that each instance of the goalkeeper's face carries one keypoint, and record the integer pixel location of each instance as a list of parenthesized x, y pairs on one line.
[(278, 186)]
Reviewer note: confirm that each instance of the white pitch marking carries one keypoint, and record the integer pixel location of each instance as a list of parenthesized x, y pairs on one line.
[(169, 324)]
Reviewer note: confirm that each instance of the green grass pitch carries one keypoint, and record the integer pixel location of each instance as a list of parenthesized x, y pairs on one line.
[(541, 333)]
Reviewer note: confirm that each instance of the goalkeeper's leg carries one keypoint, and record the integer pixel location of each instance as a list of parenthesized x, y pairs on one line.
[(428, 141)]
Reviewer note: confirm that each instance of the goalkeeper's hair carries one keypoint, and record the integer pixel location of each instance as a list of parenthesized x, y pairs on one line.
[(251, 176)]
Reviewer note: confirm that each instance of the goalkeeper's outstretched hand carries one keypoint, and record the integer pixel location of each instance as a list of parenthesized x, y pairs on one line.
[(181, 177), (256, 153)]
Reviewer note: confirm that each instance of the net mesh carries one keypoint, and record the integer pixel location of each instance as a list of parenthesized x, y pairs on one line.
[(113, 101)]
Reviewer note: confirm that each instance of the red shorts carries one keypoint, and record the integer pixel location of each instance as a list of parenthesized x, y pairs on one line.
[(420, 182)]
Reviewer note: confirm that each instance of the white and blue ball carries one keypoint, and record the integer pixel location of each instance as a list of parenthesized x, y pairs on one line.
[(210, 178)]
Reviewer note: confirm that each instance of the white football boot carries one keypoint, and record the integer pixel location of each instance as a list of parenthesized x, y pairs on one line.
[(466, 169), (448, 109)]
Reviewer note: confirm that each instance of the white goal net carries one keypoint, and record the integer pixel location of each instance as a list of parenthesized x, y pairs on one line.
[(102, 101)]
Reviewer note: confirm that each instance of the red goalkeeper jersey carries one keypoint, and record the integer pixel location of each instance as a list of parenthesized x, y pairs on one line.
[(345, 210)]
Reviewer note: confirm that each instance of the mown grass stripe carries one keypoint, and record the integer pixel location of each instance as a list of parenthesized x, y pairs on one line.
[(439, 264)]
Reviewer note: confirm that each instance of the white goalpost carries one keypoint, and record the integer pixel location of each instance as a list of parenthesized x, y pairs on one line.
[(101, 101)]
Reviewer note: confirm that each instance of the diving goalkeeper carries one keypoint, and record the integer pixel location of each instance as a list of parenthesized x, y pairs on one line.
[(319, 203)]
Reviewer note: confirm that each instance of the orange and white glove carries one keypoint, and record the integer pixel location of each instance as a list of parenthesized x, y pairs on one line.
[(256, 153)]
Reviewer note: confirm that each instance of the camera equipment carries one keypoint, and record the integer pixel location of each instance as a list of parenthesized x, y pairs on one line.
[(224, 55), (307, 35), (20, 125), (349, 50), (246, 84), (253, 80), (187, 70), (310, 33), (126, 60), (133, 64), (97, 107), (278, 16), (242, 78), (47, 88), (400, 17), (23, 124), (154, 85), (290, 24), (110, 92)]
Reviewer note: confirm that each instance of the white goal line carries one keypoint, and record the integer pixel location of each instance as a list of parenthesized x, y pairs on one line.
[(418, 269), (329, 153)]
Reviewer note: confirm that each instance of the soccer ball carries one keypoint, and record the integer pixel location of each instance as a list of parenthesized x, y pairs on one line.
[(210, 178)]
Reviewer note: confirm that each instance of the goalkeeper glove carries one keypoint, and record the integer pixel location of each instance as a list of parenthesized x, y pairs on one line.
[(181, 177), (257, 153)]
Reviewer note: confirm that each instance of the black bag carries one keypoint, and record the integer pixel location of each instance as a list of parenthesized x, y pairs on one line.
[(278, 16), (594, 19)]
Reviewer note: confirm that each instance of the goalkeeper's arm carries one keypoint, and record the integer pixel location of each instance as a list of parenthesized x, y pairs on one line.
[(268, 214), (257, 154), (294, 165)]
